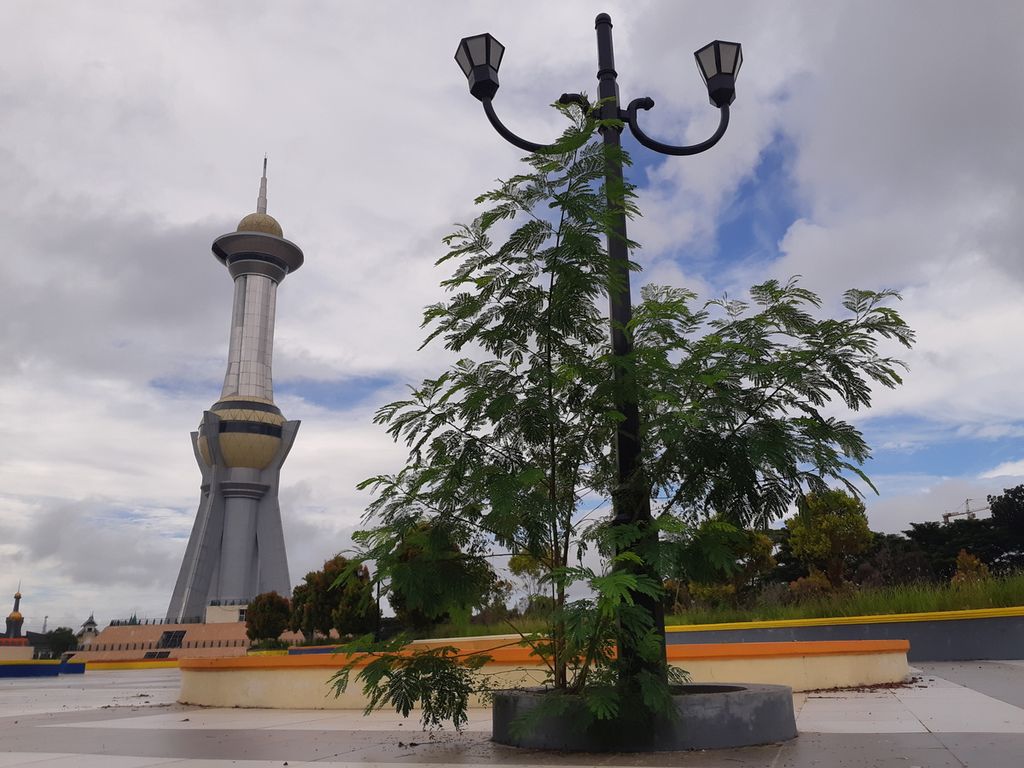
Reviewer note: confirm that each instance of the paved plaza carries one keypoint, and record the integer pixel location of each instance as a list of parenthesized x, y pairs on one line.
[(952, 714)]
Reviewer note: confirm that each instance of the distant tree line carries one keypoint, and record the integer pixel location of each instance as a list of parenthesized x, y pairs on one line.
[(827, 546)]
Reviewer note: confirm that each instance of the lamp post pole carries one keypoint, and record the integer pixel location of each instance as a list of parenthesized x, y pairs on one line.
[(631, 499), (719, 63)]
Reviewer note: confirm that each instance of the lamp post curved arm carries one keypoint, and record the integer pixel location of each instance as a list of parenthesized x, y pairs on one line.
[(507, 135), (518, 141), (668, 149)]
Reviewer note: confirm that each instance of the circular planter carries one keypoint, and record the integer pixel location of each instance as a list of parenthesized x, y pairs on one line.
[(708, 716)]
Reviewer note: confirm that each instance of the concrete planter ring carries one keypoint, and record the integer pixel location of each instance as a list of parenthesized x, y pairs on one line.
[(708, 716)]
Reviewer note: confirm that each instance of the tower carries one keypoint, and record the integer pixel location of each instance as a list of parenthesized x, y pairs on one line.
[(236, 549), (14, 619)]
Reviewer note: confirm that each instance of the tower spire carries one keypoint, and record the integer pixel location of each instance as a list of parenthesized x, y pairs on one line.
[(261, 201)]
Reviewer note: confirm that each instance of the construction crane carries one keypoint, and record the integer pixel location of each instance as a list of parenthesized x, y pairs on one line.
[(967, 512)]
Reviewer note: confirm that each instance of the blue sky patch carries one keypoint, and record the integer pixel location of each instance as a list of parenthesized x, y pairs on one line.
[(177, 386), (762, 210), (907, 445), (335, 394)]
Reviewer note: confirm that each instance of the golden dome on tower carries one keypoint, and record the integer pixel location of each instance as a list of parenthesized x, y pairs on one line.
[(260, 222), (15, 616), (253, 434)]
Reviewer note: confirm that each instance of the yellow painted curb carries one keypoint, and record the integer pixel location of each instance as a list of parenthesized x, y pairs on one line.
[(884, 618), (154, 664)]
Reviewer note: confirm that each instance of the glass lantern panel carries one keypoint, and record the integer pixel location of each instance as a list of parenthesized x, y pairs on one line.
[(477, 50), (728, 53), (739, 60), (497, 51), (706, 59), (463, 58)]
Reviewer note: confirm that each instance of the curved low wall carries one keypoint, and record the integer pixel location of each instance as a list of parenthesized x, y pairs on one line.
[(300, 682), (987, 633)]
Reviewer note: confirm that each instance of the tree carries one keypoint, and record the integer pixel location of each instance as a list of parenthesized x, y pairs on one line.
[(338, 597), (892, 560), (941, 543), (1008, 517), (512, 441), (530, 573), (266, 616), (831, 527), (717, 553), (61, 640), (1008, 508), (430, 576)]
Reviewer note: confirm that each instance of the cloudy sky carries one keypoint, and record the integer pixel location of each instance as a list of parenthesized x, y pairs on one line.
[(873, 145)]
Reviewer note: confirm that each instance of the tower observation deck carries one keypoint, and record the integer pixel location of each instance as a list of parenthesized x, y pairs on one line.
[(236, 548)]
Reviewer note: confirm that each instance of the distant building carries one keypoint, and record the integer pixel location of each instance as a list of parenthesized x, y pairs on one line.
[(88, 631), (13, 645), (15, 620)]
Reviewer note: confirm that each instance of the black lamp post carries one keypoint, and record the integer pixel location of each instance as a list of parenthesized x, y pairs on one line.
[(719, 63)]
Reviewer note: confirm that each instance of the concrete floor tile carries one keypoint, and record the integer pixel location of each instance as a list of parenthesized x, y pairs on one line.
[(848, 726), (985, 750), (967, 712), (281, 720), (867, 713), (57, 760), (18, 759), (1000, 680), (909, 750)]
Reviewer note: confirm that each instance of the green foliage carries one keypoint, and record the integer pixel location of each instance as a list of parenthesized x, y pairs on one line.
[(440, 680), (270, 644), (867, 601), (338, 597), (830, 528), (892, 560), (735, 392), (716, 554), (814, 585), (969, 570), (61, 640), (1008, 510), (435, 572), (509, 447), (266, 616), (1008, 518), (940, 543)]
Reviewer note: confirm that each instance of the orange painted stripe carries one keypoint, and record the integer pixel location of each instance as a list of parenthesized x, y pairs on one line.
[(523, 656)]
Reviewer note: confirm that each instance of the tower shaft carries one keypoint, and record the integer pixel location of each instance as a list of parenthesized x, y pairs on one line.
[(251, 346)]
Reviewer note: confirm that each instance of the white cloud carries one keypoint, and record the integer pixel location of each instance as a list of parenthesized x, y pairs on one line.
[(1009, 470)]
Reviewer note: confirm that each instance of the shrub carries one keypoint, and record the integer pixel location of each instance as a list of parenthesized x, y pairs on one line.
[(830, 528), (816, 584), (969, 570), (713, 594), (266, 617)]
